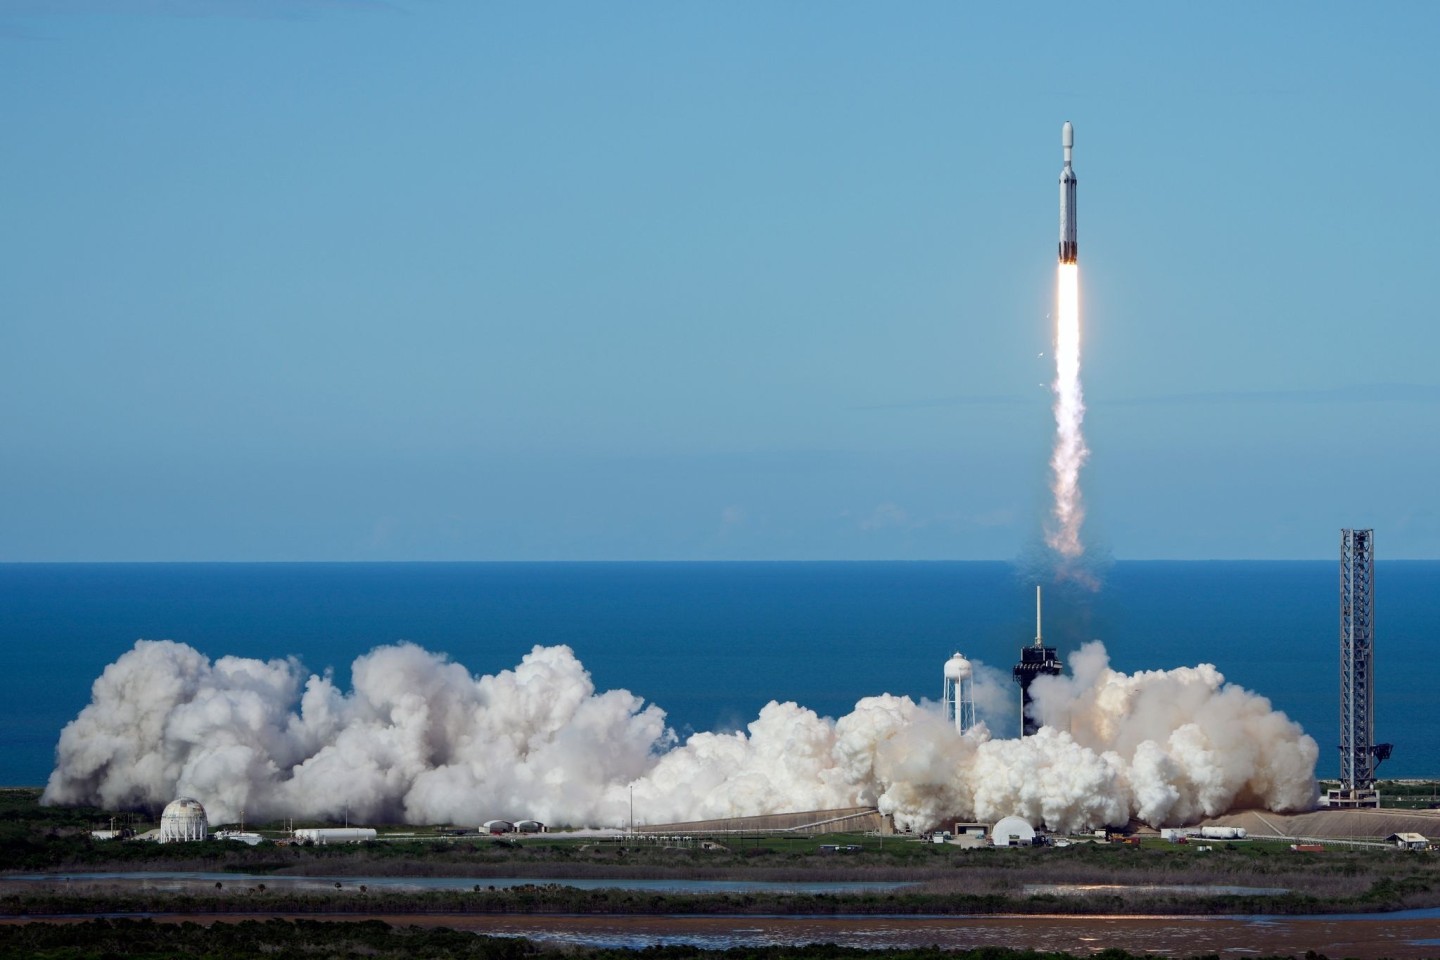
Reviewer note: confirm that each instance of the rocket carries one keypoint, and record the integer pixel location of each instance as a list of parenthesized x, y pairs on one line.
[(1069, 249)]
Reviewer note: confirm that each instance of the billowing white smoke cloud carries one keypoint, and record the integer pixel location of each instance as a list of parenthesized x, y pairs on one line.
[(420, 740)]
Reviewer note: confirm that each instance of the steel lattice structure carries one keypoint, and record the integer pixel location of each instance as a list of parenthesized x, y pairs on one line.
[(1357, 660)]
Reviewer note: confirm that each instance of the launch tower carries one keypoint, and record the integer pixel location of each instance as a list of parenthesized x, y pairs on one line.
[(1035, 659), (1359, 754)]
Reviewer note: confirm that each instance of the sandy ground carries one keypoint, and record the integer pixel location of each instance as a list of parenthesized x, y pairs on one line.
[(1167, 936)]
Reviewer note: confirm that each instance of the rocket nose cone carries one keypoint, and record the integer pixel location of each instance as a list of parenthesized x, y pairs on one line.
[(1067, 135)]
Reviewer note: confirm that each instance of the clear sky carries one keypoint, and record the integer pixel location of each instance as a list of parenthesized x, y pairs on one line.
[(330, 280)]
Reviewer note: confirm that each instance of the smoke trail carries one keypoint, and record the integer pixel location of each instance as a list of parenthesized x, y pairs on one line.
[(420, 740), (1063, 535)]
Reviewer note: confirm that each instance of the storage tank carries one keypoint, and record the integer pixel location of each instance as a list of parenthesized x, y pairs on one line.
[(183, 819), (1012, 832), (324, 835), (1223, 833), (959, 692)]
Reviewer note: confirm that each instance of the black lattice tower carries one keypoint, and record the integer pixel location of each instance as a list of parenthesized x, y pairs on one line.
[(1357, 661), (1036, 660)]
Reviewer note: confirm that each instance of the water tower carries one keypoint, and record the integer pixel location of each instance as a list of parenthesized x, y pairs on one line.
[(959, 695)]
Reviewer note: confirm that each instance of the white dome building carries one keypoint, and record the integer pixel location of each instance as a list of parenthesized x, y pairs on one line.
[(1012, 832), (183, 819)]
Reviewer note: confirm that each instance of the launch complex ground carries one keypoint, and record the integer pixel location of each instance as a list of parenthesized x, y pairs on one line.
[(1149, 897)]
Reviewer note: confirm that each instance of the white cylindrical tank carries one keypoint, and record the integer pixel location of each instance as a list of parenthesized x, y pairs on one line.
[(1012, 832), (184, 819), (958, 668), (324, 835), (1223, 833)]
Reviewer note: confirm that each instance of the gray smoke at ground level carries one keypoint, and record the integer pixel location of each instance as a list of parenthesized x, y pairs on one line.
[(418, 739)]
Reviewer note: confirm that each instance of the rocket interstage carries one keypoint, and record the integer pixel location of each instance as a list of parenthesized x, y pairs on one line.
[(1069, 247)]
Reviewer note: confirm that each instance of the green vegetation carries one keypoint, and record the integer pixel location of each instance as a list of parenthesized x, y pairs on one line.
[(375, 940), (553, 899)]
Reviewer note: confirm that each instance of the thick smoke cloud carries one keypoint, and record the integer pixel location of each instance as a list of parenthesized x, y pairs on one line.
[(419, 739)]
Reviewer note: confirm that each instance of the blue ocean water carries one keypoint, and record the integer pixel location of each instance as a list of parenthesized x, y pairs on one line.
[(713, 642)]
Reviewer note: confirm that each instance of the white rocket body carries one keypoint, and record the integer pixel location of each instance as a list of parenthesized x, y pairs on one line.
[(1069, 248)]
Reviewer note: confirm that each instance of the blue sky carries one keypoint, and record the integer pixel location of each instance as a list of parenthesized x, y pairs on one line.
[(295, 280)]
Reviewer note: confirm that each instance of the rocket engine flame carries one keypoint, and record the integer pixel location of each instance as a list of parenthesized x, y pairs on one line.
[(1063, 535)]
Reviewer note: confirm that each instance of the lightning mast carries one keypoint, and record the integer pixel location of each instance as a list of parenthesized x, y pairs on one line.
[(1359, 754)]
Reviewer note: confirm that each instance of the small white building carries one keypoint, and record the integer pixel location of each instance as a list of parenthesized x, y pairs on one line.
[(1012, 832), (1409, 841), (529, 826), (497, 826), (969, 835), (240, 836), (183, 820)]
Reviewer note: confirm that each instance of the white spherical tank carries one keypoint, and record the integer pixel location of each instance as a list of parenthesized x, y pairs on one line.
[(183, 819), (958, 668)]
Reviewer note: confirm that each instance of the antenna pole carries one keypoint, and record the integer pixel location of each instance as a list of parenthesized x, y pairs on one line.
[(1038, 641)]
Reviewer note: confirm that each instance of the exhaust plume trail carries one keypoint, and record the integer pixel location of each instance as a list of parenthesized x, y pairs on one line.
[(1063, 535)]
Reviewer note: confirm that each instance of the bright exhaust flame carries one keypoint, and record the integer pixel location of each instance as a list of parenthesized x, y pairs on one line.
[(1063, 534)]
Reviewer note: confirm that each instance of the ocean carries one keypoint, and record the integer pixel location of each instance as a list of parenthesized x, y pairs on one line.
[(711, 643)]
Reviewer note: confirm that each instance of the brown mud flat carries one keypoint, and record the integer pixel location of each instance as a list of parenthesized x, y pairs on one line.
[(1382, 937)]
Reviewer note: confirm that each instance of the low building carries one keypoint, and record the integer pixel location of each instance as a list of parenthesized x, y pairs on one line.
[(1409, 841), (240, 836), (970, 835)]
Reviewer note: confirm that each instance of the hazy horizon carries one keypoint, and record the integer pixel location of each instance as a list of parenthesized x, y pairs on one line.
[(328, 281)]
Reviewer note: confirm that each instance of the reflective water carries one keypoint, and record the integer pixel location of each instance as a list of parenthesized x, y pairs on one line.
[(1177, 889)]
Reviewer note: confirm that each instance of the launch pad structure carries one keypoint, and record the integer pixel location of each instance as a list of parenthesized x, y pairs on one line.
[(1036, 660), (1359, 753)]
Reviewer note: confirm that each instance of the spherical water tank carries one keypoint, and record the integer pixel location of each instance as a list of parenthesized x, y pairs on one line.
[(958, 668), (183, 819)]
